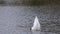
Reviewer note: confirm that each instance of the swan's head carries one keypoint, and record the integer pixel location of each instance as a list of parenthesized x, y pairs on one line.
[(33, 28)]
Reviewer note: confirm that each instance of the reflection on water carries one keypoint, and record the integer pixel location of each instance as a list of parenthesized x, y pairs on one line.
[(36, 32)]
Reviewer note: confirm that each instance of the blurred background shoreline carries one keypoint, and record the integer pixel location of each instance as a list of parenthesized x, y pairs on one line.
[(29, 2)]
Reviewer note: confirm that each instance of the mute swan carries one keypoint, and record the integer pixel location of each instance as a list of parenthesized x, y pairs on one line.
[(36, 24)]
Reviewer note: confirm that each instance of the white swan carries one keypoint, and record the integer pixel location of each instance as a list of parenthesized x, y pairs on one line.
[(36, 24)]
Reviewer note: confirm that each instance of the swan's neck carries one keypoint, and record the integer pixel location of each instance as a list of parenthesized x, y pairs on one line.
[(36, 24)]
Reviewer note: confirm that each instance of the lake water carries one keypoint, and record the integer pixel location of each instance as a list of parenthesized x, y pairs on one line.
[(19, 19)]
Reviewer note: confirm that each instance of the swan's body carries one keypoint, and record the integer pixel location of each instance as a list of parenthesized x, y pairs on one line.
[(36, 24)]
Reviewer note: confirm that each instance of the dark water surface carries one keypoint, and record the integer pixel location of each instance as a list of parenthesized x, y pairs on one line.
[(19, 19)]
